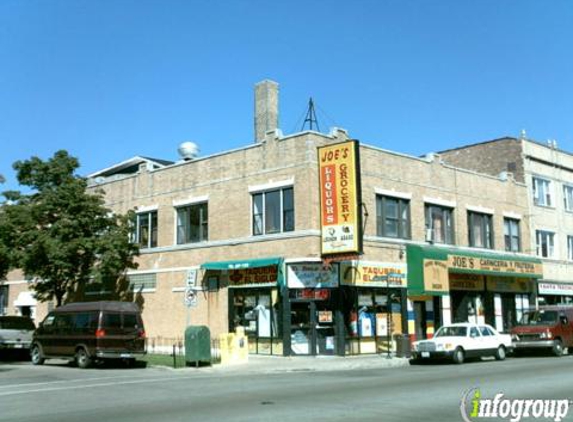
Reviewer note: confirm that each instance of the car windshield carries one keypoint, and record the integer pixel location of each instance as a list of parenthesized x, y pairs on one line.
[(452, 332), (539, 318), (16, 323)]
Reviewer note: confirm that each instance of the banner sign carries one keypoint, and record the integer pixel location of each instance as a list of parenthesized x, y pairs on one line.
[(339, 176), (373, 274), (555, 289), (254, 276), (472, 282), (485, 265), (436, 277), (312, 275)]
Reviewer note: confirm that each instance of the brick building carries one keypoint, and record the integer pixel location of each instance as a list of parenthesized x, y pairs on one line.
[(244, 227)]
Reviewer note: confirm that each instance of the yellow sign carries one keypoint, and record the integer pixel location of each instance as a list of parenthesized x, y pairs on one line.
[(339, 198), (495, 265), (471, 282), (436, 276), (509, 285), (374, 274)]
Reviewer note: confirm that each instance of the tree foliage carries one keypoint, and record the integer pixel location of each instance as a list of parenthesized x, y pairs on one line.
[(62, 236)]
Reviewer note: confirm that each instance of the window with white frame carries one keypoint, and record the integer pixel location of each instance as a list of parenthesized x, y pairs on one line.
[(480, 230), (192, 223), (568, 197), (511, 234), (440, 223), (146, 229), (392, 217), (542, 192), (570, 248), (273, 211), (545, 243)]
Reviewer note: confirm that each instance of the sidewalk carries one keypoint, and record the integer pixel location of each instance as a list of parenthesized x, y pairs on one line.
[(280, 364)]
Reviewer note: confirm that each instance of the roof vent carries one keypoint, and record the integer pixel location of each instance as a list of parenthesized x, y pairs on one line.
[(188, 151)]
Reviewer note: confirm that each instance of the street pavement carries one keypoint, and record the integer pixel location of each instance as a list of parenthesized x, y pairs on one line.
[(274, 389)]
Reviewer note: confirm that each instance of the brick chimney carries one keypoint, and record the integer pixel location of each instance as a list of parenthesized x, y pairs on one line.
[(266, 108)]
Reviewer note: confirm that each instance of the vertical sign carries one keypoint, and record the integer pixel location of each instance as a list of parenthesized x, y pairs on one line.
[(339, 176)]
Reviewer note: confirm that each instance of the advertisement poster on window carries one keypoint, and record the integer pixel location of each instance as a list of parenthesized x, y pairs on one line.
[(339, 176)]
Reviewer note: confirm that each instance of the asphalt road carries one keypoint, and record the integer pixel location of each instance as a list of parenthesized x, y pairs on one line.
[(414, 393)]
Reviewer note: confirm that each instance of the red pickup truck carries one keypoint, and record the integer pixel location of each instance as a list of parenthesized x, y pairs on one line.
[(549, 327)]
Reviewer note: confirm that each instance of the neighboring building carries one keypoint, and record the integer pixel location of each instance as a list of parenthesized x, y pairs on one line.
[(548, 174), (244, 227)]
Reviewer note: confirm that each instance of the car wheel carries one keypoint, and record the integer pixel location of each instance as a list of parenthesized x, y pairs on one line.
[(459, 356), (36, 355), (82, 358), (500, 353), (557, 348)]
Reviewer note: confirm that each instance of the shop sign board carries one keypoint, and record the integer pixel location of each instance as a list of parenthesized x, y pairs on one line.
[(470, 282), (436, 277), (373, 274), (555, 289), (340, 218), (508, 285), (253, 276), (493, 265), (312, 275)]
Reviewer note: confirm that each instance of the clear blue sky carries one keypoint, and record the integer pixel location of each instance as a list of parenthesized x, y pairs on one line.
[(110, 79)]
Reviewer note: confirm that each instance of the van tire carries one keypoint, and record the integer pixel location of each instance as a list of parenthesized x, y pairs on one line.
[(459, 356), (500, 353), (83, 360), (557, 348), (36, 355)]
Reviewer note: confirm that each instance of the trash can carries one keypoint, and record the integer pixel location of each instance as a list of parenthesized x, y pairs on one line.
[(403, 347), (197, 345)]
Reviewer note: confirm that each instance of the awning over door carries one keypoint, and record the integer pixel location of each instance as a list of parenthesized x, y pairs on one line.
[(429, 267), (249, 272)]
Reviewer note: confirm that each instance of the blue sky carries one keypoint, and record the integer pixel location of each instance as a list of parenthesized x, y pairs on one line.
[(110, 79)]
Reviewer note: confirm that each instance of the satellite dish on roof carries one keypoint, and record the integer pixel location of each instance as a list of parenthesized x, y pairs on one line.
[(188, 150)]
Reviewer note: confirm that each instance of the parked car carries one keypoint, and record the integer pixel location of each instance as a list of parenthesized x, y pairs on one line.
[(16, 332), (463, 340), (549, 328), (90, 331)]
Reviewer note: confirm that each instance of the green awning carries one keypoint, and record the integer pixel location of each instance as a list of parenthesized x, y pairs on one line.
[(429, 265), (246, 265)]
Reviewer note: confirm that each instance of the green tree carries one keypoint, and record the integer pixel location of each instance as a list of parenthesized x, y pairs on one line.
[(62, 236)]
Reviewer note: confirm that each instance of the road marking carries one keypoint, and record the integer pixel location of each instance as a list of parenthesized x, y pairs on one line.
[(62, 381)]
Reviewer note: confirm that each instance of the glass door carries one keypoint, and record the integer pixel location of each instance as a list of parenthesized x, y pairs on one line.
[(301, 337)]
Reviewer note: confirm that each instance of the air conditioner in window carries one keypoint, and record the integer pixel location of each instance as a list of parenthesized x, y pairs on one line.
[(429, 235)]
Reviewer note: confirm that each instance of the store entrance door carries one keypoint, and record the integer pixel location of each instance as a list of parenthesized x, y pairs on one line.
[(312, 328)]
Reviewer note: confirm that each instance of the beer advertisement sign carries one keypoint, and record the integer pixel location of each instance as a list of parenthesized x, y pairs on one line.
[(339, 176)]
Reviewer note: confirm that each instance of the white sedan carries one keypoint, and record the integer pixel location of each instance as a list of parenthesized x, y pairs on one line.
[(461, 341)]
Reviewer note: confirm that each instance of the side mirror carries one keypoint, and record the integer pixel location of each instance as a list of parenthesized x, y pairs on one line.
[(563, 320)]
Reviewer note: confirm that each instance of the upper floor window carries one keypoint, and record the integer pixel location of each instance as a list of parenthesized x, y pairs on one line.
[(273, 211), (192, 223), (545, 242), (568, 197), (511, 234), (146, 229), (440, 223), (392, 217), (542, 192), (570, 248), (480, 228)]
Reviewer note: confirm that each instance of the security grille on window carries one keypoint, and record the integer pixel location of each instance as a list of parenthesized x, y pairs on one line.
[(570, 248), (146, 229), (480, 227), (273, 211), (511, 235), (440, 224), (568, 197), (392, 217), (142, 282), (545, 243), (542, 192), (192, 224)]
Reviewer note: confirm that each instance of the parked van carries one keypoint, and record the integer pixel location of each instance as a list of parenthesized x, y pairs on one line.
[(90, 331), (549, 327)]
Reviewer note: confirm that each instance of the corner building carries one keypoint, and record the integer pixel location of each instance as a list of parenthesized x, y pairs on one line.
[(243, 228)]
